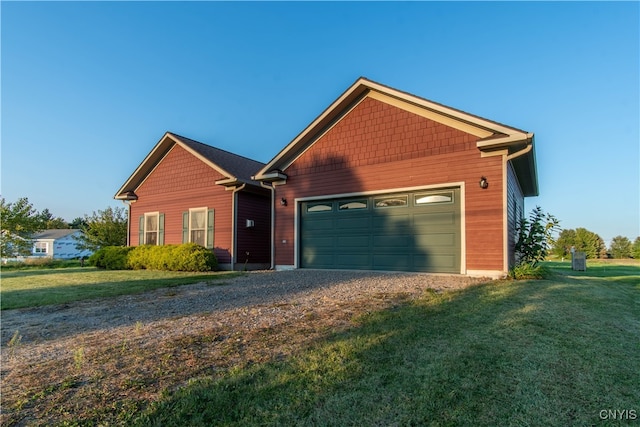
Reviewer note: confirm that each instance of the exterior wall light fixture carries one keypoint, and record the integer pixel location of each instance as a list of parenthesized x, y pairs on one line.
[(483, 183), (283, 201)]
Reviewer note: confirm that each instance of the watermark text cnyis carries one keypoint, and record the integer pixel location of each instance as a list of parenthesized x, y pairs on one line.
[(618, 414)]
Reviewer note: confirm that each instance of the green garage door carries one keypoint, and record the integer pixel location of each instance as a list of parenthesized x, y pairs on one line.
[(416, 231)]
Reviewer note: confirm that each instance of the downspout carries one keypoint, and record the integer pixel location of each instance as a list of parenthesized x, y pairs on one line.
[(128, 203), (234, 225), (273, 222)]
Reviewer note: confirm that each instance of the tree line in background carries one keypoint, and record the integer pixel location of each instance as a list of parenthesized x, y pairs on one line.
[(583, 240), (19, 221)]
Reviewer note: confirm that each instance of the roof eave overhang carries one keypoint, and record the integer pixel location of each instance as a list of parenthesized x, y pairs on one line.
[(511, 141), (519, 149), (271, 176), (128, 196), (235, 182)]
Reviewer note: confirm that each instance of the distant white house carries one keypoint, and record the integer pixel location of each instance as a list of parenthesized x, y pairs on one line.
[(58, 244)]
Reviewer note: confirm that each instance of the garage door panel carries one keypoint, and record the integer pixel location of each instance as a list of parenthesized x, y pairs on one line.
[(353, 223), (392, 261), (356, 242), (318, 242), (435, 219), (320, 224), (437, 263), (354, 260), (435, 239), (390, 225), (391, 241), (318, 259)]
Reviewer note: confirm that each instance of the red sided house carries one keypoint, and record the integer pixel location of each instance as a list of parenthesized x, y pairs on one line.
[(385, 180), (186, 191)]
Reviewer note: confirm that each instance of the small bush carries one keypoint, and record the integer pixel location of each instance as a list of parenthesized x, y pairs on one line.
[(185, 257), (528, 271), (191, 257), (139, 257), (111, 258)]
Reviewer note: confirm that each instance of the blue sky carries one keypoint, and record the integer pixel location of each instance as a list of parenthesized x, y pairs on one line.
[(88, 88)]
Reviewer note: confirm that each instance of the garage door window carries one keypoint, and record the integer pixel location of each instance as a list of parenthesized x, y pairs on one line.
[(434, 198), (391, 202), (320, 207), (352, 205)]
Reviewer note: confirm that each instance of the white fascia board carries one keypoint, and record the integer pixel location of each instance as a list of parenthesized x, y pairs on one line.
[(507, 140), (271, 176)]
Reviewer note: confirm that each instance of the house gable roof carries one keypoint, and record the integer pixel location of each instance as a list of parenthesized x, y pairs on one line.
[(236, 169), (493, 138), (54, 234)]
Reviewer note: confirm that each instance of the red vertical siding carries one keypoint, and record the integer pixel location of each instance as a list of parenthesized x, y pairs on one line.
[(377, 147), (257, 239), (179, 182)]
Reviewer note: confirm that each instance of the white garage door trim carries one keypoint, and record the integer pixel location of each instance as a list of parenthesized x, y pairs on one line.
[(298, 200)]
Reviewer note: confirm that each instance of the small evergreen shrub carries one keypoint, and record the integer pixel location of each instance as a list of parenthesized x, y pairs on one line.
[(139, 257), (111, 258), (191, 257), (185, 257)]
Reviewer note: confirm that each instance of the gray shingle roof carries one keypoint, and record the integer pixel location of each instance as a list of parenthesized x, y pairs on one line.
[(238, 166), (54, 233)]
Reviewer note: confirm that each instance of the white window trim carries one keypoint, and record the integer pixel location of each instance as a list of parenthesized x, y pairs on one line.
[(205, 210), (46, 248), (157, 231)]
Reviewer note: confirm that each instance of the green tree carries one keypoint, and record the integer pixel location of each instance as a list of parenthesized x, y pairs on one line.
[(78, 222), (620, 247), (19, 221), (602, 246), (104, 228), (51, 222), (588, 242), (565, 241), (535, 236), (635, 249)]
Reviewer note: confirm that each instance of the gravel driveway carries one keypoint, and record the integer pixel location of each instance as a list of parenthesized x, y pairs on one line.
[(260, 299)]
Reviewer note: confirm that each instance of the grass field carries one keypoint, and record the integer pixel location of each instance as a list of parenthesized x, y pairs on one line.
[(558, 352), (35, 287)]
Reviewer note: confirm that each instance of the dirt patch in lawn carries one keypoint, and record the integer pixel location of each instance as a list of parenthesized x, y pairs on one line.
[(104, 361)]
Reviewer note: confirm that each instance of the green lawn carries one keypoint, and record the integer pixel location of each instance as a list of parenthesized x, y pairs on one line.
[(35, 287), (559, 352)]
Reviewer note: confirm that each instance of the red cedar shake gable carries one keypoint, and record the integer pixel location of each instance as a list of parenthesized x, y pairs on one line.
[(492, 137), (233, 170)]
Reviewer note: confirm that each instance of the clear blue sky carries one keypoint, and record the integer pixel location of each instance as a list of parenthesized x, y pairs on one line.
[(89, 88)]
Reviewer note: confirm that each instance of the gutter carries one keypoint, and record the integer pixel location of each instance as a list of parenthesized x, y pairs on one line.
[(493, 143), (522, 152)]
